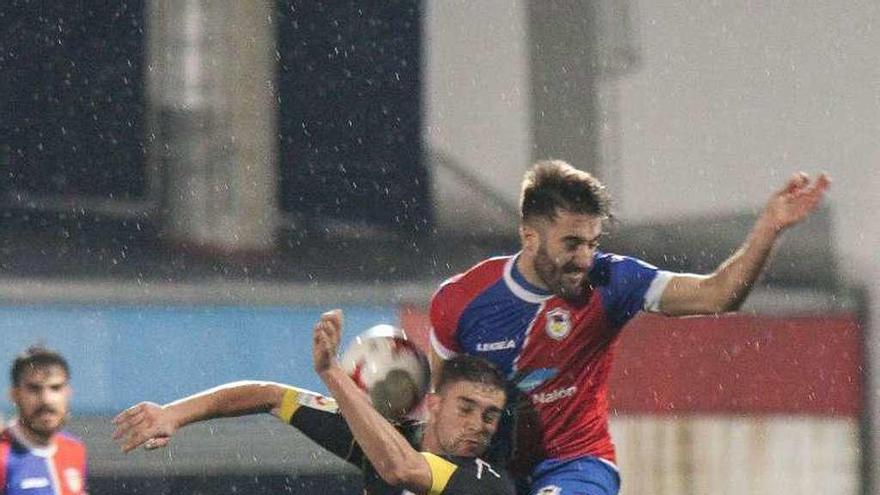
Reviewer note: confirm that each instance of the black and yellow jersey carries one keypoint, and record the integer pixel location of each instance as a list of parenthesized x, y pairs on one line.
[(450, 475), (467, 476)]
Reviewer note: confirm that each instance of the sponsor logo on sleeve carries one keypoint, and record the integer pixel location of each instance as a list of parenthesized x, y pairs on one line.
[(319, 402)]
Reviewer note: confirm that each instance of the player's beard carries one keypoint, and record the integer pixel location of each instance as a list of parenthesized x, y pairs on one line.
[(40, 426), (555, 277)]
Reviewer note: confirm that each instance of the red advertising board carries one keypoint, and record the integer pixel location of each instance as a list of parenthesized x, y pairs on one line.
[(732, 364)]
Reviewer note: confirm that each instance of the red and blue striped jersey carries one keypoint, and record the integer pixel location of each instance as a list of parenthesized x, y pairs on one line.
[(557, 353), (26, 469)]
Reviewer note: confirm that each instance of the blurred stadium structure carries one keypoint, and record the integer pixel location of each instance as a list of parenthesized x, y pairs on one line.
[(187, 184)]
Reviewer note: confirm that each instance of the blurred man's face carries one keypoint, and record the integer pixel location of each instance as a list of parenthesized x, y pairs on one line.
[(465, 416), (565, 252), (41, 397)]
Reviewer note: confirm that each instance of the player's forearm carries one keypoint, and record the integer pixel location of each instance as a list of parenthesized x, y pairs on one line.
[(789, 206), (396, 461), (231, 399), (733, 280)]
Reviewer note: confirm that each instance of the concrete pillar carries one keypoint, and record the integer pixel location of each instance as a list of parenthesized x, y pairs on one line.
[(565, 71), (212, 98)]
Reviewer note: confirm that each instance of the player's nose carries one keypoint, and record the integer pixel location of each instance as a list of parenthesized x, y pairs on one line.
[(583, 257), (472, 424)]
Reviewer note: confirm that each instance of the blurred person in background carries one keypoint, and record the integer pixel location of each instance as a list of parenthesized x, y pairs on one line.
[(36, 457), (549, 317), (462, 416)]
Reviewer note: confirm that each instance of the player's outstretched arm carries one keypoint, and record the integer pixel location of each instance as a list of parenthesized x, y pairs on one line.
[(727, 287), (152, 425), (394, 459)]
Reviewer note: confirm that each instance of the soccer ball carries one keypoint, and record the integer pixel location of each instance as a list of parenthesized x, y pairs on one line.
[(389, 368)]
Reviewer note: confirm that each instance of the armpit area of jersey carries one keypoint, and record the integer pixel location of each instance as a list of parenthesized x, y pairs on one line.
[(329, 430)]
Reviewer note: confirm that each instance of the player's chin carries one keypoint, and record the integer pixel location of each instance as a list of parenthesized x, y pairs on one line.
[(570, 291), (471, 448), (47, 426)]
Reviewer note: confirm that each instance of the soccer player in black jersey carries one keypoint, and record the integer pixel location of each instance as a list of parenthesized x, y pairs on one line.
[(439, 456)]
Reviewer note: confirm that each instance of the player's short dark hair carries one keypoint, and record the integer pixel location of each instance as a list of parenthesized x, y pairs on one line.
[(465, 368), (36, 357), (552, 185)]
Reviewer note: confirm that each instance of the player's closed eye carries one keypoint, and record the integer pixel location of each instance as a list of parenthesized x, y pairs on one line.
[(573, 244), (490, 417)]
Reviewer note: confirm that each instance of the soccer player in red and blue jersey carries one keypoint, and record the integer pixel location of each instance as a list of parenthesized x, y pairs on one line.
[(550, 316), (36, 458)]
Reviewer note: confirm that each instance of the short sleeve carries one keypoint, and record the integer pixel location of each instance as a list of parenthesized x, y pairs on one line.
[(444, 315), (327, 429), (628, 285), (441, 472)]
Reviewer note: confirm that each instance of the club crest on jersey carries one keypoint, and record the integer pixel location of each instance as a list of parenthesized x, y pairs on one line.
[(558, 323)]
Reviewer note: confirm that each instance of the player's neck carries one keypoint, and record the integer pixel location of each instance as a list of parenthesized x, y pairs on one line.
[(35, 438), (525, 265), (430, 442)]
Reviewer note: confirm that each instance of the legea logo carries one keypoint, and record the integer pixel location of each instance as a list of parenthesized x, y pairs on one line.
[(495, 346)]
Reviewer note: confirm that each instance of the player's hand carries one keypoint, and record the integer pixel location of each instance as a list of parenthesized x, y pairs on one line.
[(325, 340), (146, 424), (794, 202)]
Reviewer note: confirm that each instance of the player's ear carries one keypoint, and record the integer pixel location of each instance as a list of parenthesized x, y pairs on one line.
[(432, 402), (529, 238)]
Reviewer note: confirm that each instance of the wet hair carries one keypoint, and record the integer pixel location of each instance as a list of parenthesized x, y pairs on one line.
[(465, 368), (36, 357), (552, 185)]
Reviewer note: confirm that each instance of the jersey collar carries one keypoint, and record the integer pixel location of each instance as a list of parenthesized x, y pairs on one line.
[(521, 287), (47, 451)]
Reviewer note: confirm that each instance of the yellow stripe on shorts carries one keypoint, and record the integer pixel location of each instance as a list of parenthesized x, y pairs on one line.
[(289, 404), (441, 471)]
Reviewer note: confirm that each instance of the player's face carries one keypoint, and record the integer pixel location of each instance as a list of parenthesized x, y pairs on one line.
[(41, 398), (466, 415), (564, 255)]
